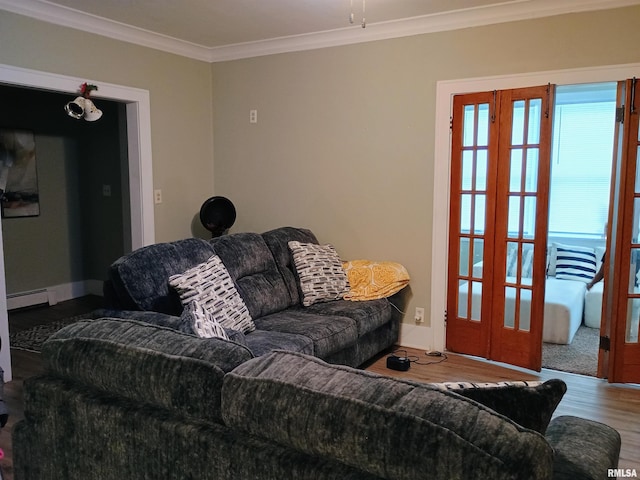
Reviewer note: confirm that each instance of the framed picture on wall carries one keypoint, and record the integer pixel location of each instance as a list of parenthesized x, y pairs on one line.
[(18, 175)]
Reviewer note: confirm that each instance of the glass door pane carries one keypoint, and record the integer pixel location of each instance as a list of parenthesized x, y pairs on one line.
[(472, 187), (521, 218)]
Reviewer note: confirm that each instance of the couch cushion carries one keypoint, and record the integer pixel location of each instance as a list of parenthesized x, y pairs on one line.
[(321, 277), (209, 285), (261, 342), (145, 363), (329, 334), (140, 279), (278, 242), (224, 354), (583, 448), (368, 315), (253, 269), (187, 385), (387, 427)]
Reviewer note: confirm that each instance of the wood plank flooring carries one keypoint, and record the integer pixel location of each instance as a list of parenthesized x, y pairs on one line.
[(588, 397)]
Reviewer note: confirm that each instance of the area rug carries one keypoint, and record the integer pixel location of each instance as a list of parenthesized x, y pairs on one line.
[(581, 356), (31, 340)]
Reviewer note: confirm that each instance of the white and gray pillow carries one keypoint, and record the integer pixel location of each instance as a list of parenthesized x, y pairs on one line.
[(201, 323), (463, 385), (210, 285), (320, 274)]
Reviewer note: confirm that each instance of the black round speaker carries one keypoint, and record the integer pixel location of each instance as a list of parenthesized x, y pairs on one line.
[(217, 215)]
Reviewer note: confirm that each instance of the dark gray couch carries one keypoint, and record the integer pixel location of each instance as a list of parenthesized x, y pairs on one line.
[(136, 398), (123, 399), (341, 331)]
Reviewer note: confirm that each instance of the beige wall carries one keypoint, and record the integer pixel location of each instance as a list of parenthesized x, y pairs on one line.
[(344, 142), (180, 94)]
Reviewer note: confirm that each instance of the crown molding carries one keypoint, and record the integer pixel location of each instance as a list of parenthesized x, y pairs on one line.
[(68, 17), (473, 17)]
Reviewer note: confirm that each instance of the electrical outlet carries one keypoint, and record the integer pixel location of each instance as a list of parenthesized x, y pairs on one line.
[(253, 116), (157, 196), (419, 315)]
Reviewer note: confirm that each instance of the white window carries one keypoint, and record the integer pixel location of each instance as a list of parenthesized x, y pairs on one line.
[(581, 159)]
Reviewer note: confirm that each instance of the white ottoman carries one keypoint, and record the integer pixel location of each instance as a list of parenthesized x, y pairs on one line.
[(593, 305), (563, 308)]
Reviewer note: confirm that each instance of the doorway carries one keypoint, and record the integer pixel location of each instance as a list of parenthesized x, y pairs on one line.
[(580, 188), (445, 93), (138, 119), (502, 177)]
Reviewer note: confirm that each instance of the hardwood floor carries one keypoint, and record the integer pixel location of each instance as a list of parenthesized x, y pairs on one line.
[(588, 397)]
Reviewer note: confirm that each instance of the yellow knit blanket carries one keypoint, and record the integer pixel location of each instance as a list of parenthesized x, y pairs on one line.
[(369, 280)]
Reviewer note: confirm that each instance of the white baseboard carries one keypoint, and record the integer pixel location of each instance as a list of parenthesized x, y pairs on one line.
[(54, 294), (27, 299), (419, 337)]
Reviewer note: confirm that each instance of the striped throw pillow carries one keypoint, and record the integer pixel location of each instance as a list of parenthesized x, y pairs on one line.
[(575, 263), (210, 285)]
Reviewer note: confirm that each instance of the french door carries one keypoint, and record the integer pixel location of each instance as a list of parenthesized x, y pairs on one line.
[(621, 312), (498, 224)]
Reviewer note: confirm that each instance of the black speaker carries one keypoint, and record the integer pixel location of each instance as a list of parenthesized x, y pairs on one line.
[(398, 363)]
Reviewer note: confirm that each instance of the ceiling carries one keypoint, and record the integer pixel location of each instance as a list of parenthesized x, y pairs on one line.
[(216, 30)]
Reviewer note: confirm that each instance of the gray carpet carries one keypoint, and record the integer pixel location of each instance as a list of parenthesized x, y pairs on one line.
[(581, 356), (31, 340)]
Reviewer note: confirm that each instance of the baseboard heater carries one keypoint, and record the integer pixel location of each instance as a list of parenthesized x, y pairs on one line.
[(27, 299)]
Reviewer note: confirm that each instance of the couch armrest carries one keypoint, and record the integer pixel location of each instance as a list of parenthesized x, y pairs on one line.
[(583, 449), (145, 363), (181, 384)]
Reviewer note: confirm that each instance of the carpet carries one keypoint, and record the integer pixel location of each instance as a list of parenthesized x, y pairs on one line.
[(31, 340), (581, 356)]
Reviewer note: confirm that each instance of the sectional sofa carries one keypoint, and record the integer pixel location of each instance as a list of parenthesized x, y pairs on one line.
[(138, 394), (124, 399), (262, 269)]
